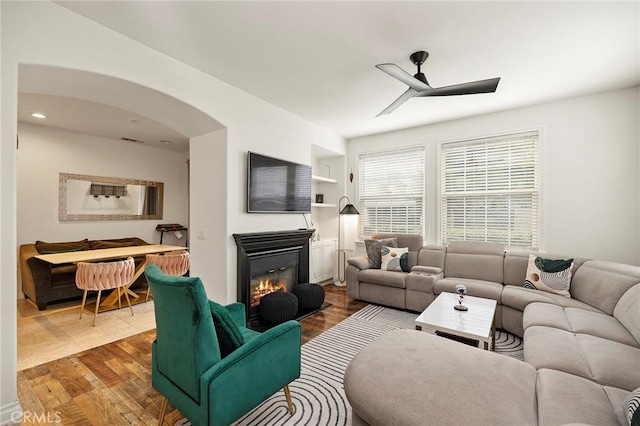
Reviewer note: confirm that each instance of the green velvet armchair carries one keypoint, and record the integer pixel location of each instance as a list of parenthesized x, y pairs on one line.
[(188, 368)]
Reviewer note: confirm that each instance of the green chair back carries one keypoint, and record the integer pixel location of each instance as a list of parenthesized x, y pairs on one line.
[(186, 338)]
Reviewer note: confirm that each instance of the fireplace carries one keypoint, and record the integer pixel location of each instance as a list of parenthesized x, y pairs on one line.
[(270, 261)]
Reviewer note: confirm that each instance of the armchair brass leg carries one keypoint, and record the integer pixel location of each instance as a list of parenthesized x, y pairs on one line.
[(287, 395), (163, 410)]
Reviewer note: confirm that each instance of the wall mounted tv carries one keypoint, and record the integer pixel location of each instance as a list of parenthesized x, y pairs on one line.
[(277, 186)]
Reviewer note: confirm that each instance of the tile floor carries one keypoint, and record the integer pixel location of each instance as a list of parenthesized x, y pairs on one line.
[(58, 332)]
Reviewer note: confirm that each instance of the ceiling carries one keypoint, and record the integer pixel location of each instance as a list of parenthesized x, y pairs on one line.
[(317, 59)]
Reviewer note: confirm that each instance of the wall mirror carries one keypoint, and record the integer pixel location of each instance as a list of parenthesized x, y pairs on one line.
[(86, 197)]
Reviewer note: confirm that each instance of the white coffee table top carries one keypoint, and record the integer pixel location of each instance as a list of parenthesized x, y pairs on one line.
[(476, 323)]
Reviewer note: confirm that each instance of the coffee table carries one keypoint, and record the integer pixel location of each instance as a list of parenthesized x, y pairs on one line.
[(478, 323)]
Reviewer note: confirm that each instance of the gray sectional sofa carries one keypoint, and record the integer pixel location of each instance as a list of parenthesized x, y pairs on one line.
[(582, 353)]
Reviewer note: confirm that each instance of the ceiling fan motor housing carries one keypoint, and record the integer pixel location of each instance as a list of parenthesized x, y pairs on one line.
[(418, 58)]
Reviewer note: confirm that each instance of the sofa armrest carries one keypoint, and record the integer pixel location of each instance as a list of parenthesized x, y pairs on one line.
[(359, 262), (426, 270)]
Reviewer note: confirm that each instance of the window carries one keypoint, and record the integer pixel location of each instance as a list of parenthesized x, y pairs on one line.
[(490, 190), (391, 193)]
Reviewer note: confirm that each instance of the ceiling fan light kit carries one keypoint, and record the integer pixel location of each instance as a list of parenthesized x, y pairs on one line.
[(419, 86)]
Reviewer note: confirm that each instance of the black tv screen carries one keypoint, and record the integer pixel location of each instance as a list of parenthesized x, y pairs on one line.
[(277, 186)]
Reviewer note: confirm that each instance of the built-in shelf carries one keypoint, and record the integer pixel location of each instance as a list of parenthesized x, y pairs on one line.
[(323, 179), (323, 205)]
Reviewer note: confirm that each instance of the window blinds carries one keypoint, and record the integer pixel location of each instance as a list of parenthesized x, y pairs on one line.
[(391, 192), (490, 190)]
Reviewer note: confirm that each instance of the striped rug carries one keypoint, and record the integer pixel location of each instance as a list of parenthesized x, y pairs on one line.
[(318, 394)]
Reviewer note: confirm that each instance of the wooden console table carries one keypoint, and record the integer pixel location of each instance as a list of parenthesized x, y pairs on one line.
[(111, 301)]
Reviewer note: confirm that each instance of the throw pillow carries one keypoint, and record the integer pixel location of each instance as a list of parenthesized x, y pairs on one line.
[(632, 408), (229, 335), (373, 250), (395, 259), (549, 275), (64, 247)]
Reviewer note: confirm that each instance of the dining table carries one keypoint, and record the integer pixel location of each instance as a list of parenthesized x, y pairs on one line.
[(107, 254)]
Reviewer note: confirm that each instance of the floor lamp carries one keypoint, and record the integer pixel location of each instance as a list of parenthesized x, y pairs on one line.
[(348, 209)]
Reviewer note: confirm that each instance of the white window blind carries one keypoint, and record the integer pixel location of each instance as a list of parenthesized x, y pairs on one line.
[(391, 192), (490, 190)]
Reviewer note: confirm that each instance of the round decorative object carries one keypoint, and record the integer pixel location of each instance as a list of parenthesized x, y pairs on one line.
[(310, 296), (277, 307)]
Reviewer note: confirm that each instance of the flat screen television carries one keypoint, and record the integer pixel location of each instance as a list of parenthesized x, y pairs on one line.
[(277, 186)]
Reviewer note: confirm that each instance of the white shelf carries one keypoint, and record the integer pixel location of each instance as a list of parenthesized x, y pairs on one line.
[(323, 205), (323, 179)]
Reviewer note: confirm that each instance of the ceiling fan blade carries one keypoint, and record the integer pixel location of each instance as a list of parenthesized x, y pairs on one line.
[(410, 93), (481, 86), (398, 73)]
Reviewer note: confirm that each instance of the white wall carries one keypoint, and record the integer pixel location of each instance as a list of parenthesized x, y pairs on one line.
[(46, 152), (45, 33), (589, 167)]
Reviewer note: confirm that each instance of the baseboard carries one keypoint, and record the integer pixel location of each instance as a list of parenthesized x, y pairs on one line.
[(11, 414)]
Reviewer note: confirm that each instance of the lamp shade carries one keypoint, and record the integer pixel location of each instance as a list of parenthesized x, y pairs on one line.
[(349, 209)]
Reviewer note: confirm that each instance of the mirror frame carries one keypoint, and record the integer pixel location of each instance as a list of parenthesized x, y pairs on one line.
[(63, 190)]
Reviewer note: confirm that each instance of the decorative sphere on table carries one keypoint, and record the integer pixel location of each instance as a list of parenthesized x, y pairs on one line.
[(461, 290)]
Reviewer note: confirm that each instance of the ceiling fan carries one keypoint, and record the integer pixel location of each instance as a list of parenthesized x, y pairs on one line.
[(419, 86)]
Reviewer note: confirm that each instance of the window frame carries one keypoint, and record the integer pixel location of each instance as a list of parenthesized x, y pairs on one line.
[(358, 160), (537, 152)]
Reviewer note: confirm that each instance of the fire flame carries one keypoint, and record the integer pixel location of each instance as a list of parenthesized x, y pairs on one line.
[(265, 287)]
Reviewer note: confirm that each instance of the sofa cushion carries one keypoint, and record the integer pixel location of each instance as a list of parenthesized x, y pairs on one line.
[(373, 247), (567, 399), (601, 284), (477, 288), (394, 259), (384, 278), (627, 311), (549, 275), (61, 247), (475, 260), (432, 255), (577, 320), (519, 297), (603, 361)]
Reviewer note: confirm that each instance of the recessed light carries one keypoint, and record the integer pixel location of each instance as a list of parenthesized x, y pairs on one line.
[(166, 142), (38, 115)]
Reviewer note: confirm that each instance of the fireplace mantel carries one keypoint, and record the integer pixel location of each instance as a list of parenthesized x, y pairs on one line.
[(262, 241)]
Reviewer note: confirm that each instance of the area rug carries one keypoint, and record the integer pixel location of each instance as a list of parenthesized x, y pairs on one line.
[(318, 394)]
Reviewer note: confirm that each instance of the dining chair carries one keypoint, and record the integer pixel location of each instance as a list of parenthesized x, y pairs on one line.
[(206, 363), (104, 276), (170, 264)]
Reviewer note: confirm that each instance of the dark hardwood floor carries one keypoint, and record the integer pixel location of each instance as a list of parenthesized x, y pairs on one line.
[(111, 384)]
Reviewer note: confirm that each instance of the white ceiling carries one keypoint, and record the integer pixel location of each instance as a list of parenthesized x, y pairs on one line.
[(109, 107), (316, 59)]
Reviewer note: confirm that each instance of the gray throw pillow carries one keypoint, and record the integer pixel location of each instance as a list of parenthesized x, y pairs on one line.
[(373, 250)]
